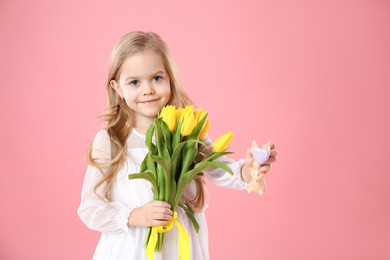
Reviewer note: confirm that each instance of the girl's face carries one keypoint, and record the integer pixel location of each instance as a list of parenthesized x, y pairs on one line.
[(144, 84)]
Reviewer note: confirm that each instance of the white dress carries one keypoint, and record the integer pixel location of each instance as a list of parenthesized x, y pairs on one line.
[(120, 242)]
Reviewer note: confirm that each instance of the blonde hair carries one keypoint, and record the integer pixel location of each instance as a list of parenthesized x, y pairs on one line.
[(120, 118)]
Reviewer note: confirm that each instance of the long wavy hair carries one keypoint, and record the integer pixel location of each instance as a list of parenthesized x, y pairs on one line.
[(120, 118)]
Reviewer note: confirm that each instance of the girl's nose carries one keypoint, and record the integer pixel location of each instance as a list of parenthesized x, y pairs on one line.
[(148, 89)]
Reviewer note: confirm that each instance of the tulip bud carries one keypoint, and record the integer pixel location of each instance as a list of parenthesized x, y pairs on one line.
[(199, 114), (188, 123), (222, 142), (169, 117), (204, 130), (162, 112), (187, 110), (179, 112)]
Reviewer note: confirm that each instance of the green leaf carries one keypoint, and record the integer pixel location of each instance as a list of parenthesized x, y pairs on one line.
[(185, 178), (147, 236), (155, 192), (151, 165), (144, 175), (213, 156), (161, 148), (218, 165), (167, 136), (161, 183), (195, 133), (144, 165), (149, 137), (164, 176), (191, 215), (177, 155), (163, 162), (176, 135), (159, 136), (172, 194), (189, 154)]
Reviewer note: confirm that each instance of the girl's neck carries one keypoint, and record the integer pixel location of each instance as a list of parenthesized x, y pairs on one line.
[(142, 127)]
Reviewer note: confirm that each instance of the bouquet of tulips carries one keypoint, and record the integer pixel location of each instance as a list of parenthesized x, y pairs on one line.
[(173, 161)]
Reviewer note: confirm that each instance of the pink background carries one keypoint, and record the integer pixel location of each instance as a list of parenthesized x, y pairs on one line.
[(313, 76)]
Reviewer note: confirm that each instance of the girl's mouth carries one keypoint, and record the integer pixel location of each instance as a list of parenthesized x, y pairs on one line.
[(149, 101)]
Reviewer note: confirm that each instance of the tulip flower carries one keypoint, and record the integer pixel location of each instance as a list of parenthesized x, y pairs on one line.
[(204, 130), (222, 142), (199, 114), (170, 165), (162, 112), (179, 112), (187, 110), (168, 115), (188, 123)]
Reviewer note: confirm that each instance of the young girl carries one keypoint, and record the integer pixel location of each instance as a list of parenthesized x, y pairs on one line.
[(142, 80)]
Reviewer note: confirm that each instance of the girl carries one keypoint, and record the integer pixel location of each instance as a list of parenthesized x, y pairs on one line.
[(142, 80)]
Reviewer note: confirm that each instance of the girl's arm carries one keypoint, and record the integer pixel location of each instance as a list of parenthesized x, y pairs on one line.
[(100, 215), (93, 211), (115, 216), (221, 178), (241, 169)]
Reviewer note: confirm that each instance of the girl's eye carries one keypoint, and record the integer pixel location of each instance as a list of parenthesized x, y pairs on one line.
[(157, 78), (134, 82)]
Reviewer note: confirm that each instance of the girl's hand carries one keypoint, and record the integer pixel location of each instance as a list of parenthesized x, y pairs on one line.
[(250, 162), (153, 213)]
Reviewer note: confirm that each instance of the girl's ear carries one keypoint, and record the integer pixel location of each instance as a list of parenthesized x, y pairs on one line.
[(117, 88)]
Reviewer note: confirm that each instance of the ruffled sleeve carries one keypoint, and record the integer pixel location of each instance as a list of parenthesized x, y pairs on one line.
[(93, 211), (222, 178)]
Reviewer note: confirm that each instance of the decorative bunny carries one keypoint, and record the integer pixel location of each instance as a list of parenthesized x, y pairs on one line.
[(260, 156)]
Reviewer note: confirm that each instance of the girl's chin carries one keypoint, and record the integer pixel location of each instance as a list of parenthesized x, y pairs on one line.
[(152, 115)]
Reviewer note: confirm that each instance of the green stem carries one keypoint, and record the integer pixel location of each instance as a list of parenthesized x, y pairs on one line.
[(160, 242), (147, 237)]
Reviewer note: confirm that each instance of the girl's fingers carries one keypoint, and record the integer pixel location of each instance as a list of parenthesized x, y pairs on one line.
[(271, 148), (270, 145), (160, 204), (259, 177), (164, 204), (270, 160), (249, 155), (162, 208), (265, 168), (163, 217), (164, 211), (159, 222)]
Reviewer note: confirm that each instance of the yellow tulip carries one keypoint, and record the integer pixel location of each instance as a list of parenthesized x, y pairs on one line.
[(179, 112), (187, 110), (204, 130), (162, 112), (199, 114), (168, 115), (188, 123), (222, 142)]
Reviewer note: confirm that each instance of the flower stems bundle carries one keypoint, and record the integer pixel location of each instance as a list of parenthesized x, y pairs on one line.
[(172, 162)]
